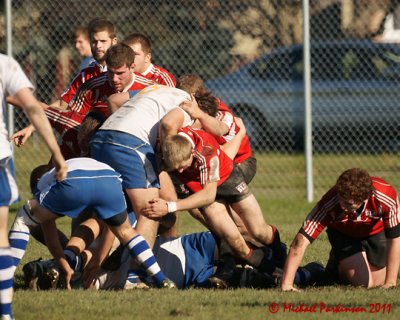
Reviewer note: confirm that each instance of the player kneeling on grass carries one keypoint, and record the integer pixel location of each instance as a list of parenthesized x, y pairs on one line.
[(362, 219), (89, 185)]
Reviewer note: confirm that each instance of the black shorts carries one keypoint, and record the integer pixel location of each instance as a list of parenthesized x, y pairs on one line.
[(233, 190), (344, 246), (248, 168)]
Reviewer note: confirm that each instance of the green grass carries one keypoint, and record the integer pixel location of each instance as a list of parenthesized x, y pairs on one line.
[(204, 304), (279, 176), (280, 187)]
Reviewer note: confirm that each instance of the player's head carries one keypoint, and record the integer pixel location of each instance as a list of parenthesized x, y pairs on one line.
[(190, 83), (194, 84), (82, 41), (207, 101), (120, 60), (103, 35), (36, 174), (353, 186), (141, 45), (177, 153)]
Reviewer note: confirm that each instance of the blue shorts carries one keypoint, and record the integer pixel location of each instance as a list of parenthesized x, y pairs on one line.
[(97, 190), (8, 186), (133, 158)]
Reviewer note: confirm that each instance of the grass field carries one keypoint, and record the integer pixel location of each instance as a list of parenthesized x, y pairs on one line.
[(279, 186), (212, 304)]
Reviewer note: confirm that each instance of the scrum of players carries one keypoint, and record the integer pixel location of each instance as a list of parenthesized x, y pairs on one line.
[(141, 148)]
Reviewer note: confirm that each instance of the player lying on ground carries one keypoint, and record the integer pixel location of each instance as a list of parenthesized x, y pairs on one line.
[(189, 260)]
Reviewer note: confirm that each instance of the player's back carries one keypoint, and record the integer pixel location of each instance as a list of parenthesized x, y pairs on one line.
[(140, 116)]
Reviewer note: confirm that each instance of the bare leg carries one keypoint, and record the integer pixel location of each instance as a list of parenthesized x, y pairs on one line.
[(250, 212), (358, 272), (167, 192), (219, 221), (139, 199)]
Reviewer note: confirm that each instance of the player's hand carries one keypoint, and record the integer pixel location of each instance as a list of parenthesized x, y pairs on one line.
[(289, 287), (90, 273), (192, 108), (155, 208), (68, 273), (22, 136)]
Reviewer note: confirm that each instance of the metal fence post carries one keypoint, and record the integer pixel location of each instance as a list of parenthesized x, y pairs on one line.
[(307, 102)]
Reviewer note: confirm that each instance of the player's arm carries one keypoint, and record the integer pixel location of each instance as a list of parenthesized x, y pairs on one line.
[(39, 120), (293, 261), (392, 262), (59, 104), (103, 247), (157, 208), (208, 123), (53, 243), (116, 100), (231, 148), (171, 123)]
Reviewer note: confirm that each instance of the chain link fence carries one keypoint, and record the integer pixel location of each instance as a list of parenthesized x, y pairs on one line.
[(250, 54)]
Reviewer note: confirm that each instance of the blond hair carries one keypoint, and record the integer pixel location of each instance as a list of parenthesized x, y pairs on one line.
[(175, 149)]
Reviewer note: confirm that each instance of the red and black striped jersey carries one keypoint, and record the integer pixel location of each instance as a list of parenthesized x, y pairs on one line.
[(380, 212), (91, 95), (159, 75), (225, 115), (210, 163), (93, 70)]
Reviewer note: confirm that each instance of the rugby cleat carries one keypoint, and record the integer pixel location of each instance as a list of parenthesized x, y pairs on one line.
[(167, 284)]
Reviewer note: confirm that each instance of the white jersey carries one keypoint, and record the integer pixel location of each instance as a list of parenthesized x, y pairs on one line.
[(75, 164), (140, 116), (12, 80)]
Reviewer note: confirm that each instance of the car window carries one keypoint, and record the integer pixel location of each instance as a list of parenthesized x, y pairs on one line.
[(330, 63), (281, 66), (354, 63)]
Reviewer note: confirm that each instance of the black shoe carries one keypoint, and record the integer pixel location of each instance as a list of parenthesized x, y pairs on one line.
[(224, 273), (167, 284), (41, 274), (252, 278)]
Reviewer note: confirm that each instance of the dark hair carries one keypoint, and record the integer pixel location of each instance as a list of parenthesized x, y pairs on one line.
[(37, 173), (98, 25), (354, 184), (138, 38), (207, 101), (118, 55)]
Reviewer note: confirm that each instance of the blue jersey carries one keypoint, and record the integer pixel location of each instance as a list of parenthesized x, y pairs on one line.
[(187, 260)]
